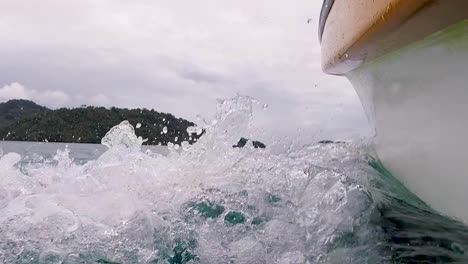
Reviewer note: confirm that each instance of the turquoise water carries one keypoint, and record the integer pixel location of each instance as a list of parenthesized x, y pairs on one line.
[(211, 203), (414, 232)]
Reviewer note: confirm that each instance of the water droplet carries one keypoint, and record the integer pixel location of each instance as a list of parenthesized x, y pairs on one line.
[(185, 145), (170, 145)]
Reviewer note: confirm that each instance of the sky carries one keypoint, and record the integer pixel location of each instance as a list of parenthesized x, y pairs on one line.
[(177, 56)]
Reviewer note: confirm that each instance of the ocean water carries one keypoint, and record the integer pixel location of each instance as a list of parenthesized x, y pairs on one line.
[(211, 203)]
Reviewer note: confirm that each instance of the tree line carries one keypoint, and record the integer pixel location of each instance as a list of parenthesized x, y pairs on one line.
[(89, 124)]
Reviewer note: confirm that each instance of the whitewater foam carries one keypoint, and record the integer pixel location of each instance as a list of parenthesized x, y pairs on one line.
[(206, 203)]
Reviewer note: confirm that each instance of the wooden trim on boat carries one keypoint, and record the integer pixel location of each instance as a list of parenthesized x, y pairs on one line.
[(357, 31)]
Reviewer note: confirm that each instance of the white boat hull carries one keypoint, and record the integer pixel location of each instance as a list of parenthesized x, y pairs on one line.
[(417, 100)]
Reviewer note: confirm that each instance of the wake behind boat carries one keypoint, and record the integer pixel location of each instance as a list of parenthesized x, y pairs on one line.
[(408, 61)]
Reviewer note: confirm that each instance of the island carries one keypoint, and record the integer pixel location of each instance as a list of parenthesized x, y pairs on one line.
[(24, 120)]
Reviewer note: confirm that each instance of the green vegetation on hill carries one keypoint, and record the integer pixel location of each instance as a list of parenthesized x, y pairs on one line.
[(90, 124), (15, 110)]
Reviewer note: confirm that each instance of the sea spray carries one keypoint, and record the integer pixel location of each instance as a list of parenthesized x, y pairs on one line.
[(209, 203)]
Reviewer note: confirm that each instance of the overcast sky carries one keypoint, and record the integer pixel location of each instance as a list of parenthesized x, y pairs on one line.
[(176, 56)]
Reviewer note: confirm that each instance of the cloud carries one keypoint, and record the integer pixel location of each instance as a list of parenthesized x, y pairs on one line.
[(13, 91), (51, 98), (199, 75), (99, 100)]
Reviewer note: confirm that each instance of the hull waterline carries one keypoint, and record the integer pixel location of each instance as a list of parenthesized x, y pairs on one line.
[(416, 98)]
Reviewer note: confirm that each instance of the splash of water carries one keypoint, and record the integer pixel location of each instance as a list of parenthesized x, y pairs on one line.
[(122, 134), (208, 204)]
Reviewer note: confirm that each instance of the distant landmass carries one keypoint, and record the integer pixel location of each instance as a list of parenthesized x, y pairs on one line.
[(23, 120), (15, 110)]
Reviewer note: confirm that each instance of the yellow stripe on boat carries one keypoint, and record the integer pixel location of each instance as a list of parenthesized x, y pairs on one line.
[(357, 31)]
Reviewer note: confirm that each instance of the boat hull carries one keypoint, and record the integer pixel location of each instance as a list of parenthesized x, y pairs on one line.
[(416, 98)]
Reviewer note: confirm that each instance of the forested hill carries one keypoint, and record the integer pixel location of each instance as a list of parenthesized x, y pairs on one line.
[(89, 124), (15, 110)]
